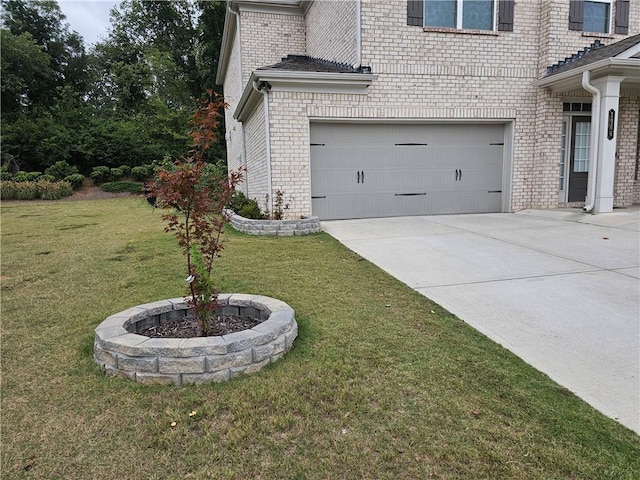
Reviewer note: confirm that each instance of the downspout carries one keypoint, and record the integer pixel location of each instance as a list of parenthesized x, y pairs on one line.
[(358, 34), (595, 139), (264, 87)]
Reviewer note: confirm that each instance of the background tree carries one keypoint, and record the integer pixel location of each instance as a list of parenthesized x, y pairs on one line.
[(126, 102)]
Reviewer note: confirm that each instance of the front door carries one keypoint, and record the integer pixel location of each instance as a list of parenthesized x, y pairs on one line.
[(579, 159)]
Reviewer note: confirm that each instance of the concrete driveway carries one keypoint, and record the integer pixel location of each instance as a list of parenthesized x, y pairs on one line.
[(559, 288)]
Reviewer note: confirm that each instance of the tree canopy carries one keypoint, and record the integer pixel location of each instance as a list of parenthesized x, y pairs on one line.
[(125, 101)]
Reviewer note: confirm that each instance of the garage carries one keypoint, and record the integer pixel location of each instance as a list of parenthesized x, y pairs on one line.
[(362, 170)]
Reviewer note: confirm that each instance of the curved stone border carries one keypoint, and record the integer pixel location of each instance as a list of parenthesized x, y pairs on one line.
[(120, 349), (280, 228)]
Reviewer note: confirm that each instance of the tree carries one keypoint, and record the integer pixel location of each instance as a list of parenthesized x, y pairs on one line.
[(26, 72)]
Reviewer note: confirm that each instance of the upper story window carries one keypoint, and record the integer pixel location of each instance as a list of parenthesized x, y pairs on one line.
[(462, 14), (595, 16)]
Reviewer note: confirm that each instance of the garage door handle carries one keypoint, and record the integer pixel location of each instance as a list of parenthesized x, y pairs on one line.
[(458, 175), (358, 176), (363, 176)]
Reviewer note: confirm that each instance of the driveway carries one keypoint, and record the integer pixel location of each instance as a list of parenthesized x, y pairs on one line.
[(559, 288)]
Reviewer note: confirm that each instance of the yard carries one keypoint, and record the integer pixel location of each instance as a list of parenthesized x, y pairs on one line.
[(381, 383)]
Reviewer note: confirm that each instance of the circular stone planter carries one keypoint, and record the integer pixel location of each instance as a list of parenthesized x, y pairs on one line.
[(120, 349)]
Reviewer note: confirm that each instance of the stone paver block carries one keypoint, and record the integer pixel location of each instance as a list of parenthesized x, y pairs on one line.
[(106, 332), (156, 346), (264, 352), (241, 300), (245, 339), (290, 336), (156, 308), (138, 364), (203, 346), (181, 365), (221, 362), (124, 343), (104, 357)]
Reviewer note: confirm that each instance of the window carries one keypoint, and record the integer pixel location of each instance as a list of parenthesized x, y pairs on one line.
[(463, 14), (596, 16)]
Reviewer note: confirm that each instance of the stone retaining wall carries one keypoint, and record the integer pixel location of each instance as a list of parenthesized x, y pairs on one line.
[(120, 349), (280, 228)]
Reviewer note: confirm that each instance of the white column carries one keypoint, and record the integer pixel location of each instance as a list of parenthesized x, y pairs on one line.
[(606, 165)]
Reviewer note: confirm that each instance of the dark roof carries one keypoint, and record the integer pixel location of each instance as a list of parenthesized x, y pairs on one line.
[(593, 53), (302, 63)]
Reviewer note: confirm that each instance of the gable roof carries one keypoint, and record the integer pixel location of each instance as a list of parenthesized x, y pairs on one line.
[(593, 53), (620, 59)]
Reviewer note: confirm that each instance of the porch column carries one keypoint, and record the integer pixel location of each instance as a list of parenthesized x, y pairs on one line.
[(606, 166)]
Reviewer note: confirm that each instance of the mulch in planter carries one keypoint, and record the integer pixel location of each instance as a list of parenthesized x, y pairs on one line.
[(188, 327)]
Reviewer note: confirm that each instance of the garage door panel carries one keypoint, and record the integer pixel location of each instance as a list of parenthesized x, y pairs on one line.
[(371, 170)]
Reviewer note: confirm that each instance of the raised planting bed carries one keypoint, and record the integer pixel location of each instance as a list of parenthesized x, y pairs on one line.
[(120, 349), (280, 228)]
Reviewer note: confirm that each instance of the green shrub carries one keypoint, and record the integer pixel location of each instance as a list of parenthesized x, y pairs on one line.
[(21, 177), (5, 174), (61, 170), (48, 178), (245, 207), (116, 174), (119, 187), (126, 170), (42, 189), (75, 180), (100, 174), (141, 173)]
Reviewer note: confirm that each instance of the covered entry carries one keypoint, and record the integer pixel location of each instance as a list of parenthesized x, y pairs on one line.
[(361, 170)]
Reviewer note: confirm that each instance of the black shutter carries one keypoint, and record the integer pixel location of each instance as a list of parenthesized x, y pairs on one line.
[(414, 12), (622, 16), (576, 14), (505, 15)]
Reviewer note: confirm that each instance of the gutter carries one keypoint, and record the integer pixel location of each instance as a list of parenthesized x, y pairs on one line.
[(595, 138), (264, 87)]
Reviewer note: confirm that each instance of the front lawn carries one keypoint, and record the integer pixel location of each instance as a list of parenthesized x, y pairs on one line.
[(381, 383)]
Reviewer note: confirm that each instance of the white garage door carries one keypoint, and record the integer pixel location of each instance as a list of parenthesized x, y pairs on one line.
[(382, 170)]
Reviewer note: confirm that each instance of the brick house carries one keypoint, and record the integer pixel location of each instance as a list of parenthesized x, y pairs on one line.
[(370, 108)]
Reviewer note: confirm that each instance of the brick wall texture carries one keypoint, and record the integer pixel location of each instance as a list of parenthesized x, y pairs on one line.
[(428, 75)]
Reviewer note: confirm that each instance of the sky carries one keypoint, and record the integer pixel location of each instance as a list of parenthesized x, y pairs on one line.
[(90, 18)]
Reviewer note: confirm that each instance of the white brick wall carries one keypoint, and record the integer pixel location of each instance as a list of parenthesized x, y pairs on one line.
[(332, 31), (268, 37), (232, 92), (433, 75), (256, 175), (627, 188)]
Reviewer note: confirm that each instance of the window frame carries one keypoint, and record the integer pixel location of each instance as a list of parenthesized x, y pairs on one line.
[(460, 16)]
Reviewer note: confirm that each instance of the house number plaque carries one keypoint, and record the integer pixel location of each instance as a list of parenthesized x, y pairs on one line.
[(611, 123)]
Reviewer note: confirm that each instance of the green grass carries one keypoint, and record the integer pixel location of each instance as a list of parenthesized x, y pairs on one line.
[(381, 383)]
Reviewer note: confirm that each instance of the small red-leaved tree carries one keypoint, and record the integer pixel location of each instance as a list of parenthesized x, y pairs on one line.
[(196, 198)]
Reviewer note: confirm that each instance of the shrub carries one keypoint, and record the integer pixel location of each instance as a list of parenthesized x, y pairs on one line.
[(61, 170), (141, 173), (75, 180), (126, 170), (115, 174), (119, 187), (48, 178), (100, 174), (53, 190), (245, 207), (20, 177), (41, 189), (5, 174)]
